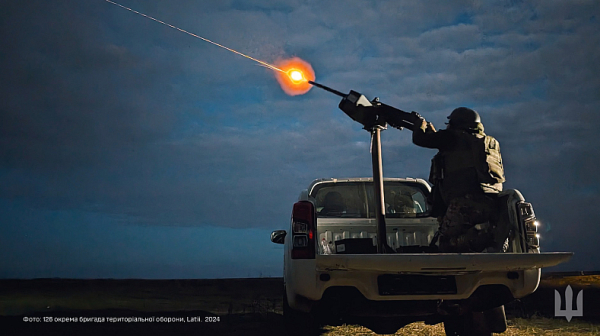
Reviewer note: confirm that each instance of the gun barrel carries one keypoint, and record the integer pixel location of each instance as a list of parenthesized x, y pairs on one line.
[(326, 88)]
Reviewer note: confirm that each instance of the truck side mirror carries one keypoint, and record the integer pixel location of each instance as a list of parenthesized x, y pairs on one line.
[(278, 236)]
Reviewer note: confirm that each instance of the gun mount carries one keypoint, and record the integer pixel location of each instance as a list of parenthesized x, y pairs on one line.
[(374, 116)]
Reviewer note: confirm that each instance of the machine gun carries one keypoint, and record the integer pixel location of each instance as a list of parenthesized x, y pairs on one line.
[(375, 116), (373, 113)]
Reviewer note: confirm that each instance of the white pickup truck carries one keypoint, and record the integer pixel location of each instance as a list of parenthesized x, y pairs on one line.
[(333, 273)]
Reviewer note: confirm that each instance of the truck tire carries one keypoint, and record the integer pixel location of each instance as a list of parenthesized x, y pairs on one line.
[(495, 319), (455, 326), (469, 324), (298, 323), (383, 326)]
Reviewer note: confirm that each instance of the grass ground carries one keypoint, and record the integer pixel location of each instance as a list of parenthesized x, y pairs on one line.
[(247, 306), (516, 327), (221, 296), (582, 281)]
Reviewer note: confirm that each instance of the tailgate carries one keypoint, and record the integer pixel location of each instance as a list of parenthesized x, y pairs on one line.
[(440, 262)]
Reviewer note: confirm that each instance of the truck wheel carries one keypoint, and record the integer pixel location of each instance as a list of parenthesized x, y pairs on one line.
[(384, 329), (298, 323), (455, 326), (382, 325), (495, 319), (469, 324)]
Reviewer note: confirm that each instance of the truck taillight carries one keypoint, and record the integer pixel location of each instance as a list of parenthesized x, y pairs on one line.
[(303, 227), (527, 217)]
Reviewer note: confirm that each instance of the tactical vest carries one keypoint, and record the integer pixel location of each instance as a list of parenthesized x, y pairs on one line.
[(481, 152)]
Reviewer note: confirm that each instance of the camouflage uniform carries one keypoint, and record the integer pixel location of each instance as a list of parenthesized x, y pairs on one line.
[(458, 230), (464, 192)]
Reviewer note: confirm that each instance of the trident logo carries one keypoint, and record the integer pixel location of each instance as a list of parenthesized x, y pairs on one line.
[(569, 312)]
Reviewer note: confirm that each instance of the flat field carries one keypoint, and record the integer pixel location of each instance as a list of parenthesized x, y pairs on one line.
[(232, 307)]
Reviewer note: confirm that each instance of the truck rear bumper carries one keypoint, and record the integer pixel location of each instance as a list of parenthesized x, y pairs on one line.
[(464, 273), (349, 302), (370, 295)]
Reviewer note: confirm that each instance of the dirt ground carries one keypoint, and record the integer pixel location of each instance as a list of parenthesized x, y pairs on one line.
[(225, 307)]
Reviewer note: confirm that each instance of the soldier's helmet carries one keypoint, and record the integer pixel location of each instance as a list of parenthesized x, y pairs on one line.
[(464, 117)]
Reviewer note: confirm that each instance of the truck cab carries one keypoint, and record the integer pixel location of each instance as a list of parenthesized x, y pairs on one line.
[(333, 273)]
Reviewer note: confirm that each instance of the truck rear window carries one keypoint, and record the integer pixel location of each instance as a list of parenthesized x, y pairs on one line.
[(357, 200)]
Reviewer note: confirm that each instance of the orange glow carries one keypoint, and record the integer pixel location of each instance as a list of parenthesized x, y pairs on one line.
[(295, 76)]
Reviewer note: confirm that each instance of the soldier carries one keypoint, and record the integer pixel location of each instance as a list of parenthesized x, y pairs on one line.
[(467, 174)]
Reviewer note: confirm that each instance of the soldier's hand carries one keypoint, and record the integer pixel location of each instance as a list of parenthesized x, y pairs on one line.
[(425, 126)]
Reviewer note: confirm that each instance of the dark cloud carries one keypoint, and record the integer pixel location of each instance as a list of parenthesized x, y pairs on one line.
[(66, 105), (108, 112)]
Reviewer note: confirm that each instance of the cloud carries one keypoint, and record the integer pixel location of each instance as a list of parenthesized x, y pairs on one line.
[(110, 112)]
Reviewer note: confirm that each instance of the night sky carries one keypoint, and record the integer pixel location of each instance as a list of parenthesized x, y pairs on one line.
[(131, 150)]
